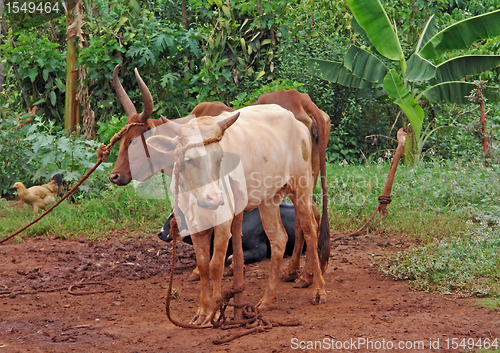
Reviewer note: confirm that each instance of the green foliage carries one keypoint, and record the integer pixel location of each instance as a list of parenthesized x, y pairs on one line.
[(244, 99), (54, 152), (322, 30), (13, 159), (108, 130), (467, 265), (37, 64), (35, 152), (418, 77), (116, 209), (239, 45), (158, 45)]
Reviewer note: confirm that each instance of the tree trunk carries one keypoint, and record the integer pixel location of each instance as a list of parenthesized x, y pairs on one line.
[(483, 125), (410, 151), (72, 106), (184, 14), (1, 65)]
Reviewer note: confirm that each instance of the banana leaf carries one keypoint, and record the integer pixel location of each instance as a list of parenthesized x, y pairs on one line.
[(457, 68), (429, 31), (461, 35), (335, 71), (372, 17), (419, 69), (457, 92), (364, 65), (396, 90)]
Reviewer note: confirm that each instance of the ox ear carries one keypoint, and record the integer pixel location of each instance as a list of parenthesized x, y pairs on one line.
[(172, 125), (162, 143), (224, 124)]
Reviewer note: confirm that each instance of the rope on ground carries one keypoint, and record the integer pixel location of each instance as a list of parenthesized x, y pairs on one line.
[(252, 320), (102, 153), (70, 290)]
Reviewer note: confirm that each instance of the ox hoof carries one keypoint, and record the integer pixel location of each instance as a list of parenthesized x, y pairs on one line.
[(193, 277), (264, 305), (319, 299), (302, 283), (201, 320), (289, 276)]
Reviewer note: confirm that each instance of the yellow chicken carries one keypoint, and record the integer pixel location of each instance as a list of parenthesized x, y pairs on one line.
[(39, 196)]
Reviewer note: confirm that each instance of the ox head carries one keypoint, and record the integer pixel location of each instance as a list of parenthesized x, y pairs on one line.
[(121, 173), (201, 165)]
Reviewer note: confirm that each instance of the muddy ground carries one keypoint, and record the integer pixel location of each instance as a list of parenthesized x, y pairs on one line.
[(43, 309)]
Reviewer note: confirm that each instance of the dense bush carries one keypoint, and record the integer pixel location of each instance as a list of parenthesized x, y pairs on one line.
[(230, 51), (34, 152)]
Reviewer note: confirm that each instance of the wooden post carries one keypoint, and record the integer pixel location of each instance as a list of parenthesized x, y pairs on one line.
[(392, 172), (71, 106)]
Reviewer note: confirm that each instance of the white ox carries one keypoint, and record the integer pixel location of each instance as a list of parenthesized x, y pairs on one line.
[(275, 153)]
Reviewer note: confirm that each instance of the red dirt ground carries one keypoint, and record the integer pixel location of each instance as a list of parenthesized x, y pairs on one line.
[(362, 303)]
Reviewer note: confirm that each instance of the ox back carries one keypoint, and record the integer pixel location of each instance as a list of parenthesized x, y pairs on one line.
[(255, 244)]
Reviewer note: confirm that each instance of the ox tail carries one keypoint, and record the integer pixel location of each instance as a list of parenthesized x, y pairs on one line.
[(324, 227)]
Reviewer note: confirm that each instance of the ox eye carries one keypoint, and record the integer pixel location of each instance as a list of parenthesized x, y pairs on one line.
[(189, 161), (133, 142)]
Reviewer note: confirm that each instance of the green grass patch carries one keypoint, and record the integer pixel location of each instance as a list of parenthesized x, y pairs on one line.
[(451, 210), (118, 208), (466, 265), (429, 201), (489, 303)]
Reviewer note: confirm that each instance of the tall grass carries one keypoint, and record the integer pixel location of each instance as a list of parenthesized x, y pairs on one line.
[(451, 209), (117, 209), (429, 202)]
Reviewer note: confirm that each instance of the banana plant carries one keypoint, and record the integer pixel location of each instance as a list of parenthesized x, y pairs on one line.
[(424, 73)]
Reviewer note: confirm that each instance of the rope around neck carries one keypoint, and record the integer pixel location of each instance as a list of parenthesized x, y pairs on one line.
[(102, 153)]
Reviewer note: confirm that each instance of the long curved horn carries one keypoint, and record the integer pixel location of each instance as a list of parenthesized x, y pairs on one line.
[(146, 97), (172, 125), (224, 124), (122, 95)]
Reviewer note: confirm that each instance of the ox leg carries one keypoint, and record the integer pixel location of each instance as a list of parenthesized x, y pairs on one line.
[(207, 268), (201, 244), (293, 270), (222, 233), (195, 275), (271, 220), (304, 212), (306, 278)]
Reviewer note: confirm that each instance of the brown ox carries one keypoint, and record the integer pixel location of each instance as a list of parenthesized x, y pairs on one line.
[(318, 123), (146, 162), (275, 152)]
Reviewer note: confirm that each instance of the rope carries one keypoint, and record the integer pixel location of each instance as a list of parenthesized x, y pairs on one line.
[(252, 320), (102, 153), (80, 284), (174, 227)]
